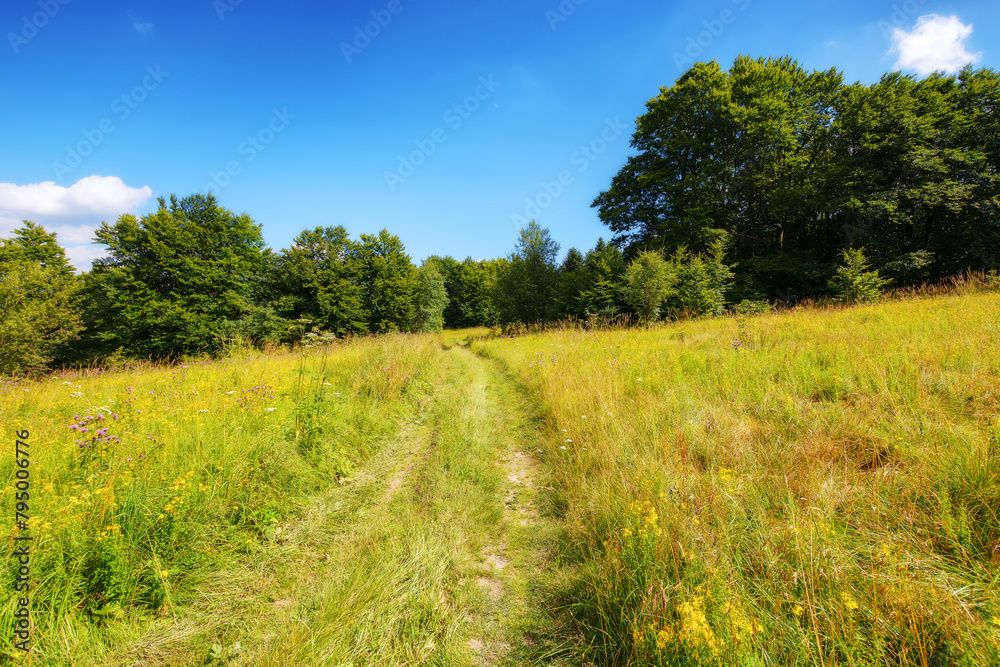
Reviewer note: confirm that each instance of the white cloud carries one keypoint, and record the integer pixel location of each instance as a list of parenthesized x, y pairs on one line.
[(82, 256), (8, 224), (935, 43), (72, 213), (88, 196), (142, 27)]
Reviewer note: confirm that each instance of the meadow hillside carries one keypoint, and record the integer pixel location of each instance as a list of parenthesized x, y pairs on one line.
[(805, 488), (810, 487)]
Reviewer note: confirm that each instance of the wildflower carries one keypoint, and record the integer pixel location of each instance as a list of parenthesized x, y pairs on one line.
[(995, 620), (663, 637), (74, 427), (797, 610), (568, 440), (849, 602), (128, 388), (164, 573)]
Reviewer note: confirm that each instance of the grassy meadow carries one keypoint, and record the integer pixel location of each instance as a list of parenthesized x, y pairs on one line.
[(164, 499), (810, 487), (805, 488)]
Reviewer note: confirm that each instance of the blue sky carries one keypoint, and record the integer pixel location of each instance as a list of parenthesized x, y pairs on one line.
[(447, 123)]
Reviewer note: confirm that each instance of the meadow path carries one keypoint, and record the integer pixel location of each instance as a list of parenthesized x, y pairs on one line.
[(437, 551)]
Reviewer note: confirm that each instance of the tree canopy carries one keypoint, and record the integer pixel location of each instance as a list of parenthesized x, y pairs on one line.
[(797, 165), (39, 299), (171, 279)]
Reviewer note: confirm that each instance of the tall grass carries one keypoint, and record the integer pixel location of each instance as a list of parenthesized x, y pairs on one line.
[(801, 488), (163, 488)]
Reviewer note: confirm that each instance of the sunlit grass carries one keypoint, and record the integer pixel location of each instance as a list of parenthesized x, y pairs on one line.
[(148, 485), (805, 488)]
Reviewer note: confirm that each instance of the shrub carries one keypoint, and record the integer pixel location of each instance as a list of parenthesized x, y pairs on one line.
[(854, 283)]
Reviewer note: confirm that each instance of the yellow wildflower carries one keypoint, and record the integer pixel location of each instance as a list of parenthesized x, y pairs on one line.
[(849, 602), (798, 610)]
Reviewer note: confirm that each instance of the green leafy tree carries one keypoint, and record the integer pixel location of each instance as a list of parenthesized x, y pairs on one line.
[(431, 299), (39, 299), (451, 270), (854, 283), (389, 282), (479, 279), (318, 279), (793, 164), (527, 285), (572, 281), (699, 281), (601, 295), (648, 281), (174, 280)]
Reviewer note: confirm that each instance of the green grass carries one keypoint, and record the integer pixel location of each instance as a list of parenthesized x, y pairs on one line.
[(164, 536), (818, 487), (813, 487)]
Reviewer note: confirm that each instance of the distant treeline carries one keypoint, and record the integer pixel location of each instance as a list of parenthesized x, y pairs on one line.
[(758, 184)]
